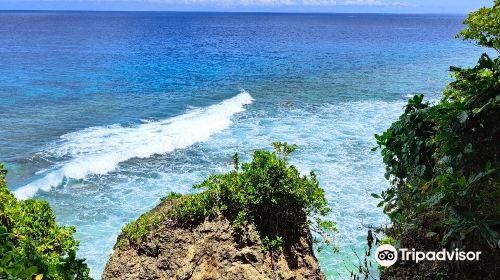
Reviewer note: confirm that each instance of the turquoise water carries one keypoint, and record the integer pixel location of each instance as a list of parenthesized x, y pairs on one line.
[(104, 113)]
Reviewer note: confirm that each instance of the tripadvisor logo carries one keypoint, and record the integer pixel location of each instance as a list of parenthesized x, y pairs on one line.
[(386, 255)]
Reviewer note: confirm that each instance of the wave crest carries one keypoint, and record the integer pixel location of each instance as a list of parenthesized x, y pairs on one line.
[(99, 150)]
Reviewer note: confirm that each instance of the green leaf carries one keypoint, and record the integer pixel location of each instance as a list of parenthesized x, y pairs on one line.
[(28, 273), (375, 195)]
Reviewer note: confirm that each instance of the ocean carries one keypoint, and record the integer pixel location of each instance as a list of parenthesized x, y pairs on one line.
[(103, 113)]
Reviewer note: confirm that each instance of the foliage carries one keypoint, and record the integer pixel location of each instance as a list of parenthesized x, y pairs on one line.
[(442, 162), (32, 245), (272, 245), (171, 196), (483, 27), (442, 159), (267, 193)]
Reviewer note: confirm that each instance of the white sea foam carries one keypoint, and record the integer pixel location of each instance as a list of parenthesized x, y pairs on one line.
[(99, 150)]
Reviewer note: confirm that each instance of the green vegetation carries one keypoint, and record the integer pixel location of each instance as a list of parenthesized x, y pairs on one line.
[(442, 159), (483, 27), (32, 245), (267, 193)]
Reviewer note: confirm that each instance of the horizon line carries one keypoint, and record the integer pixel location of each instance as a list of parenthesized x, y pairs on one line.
[(231, 12)]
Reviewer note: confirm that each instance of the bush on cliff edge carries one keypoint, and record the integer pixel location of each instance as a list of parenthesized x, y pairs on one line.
[(32, 245), (267, 193)]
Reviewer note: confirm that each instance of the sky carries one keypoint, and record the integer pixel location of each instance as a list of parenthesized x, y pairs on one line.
[(328, 6)]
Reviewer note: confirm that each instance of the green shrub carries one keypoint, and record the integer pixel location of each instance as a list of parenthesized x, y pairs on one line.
[(267, 193), (442, 159), (32, 245), (171, 196), (483, 27)]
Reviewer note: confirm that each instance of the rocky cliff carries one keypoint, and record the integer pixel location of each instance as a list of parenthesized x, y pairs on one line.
[(209, 249)]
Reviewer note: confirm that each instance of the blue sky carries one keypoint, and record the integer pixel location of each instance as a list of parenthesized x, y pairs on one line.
[(341, 6)]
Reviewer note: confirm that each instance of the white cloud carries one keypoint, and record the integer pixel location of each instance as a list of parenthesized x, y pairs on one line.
[(224, 3), (266, 2), (351, 3)]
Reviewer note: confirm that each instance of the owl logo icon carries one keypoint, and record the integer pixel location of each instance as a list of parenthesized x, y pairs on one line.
[(386, 255)]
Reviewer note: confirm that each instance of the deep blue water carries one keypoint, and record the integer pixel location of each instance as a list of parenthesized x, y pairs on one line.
[(102, 113)]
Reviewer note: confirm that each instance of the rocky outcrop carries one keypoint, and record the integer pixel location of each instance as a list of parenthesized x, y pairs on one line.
[(210, 249)]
